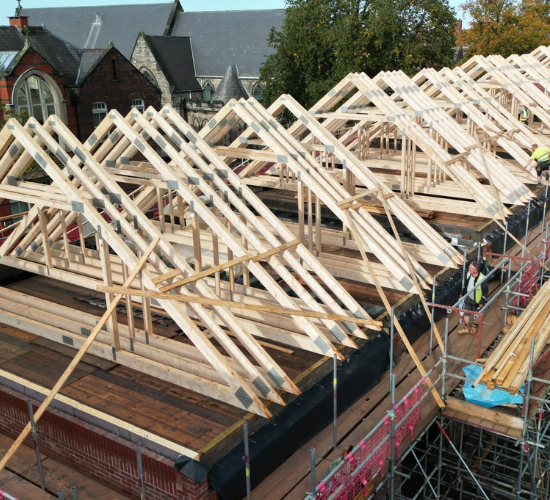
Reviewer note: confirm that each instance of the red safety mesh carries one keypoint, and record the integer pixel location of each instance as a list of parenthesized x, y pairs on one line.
[(375, 445), (528, 280), (7, 495), (408, 426)]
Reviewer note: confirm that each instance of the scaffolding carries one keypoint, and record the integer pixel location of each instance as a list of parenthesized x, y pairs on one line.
[(458, 459), (453, 457), (473, 459)]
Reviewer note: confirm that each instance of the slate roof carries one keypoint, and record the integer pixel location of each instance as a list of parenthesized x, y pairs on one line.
[(175, 57), (230, 87), (229, 37), (11, 39), (60, 55), (119, 24), (90, 57)]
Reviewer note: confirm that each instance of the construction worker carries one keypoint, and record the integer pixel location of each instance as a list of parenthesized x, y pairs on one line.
[(524, 116), (542, 158), (474, 299)]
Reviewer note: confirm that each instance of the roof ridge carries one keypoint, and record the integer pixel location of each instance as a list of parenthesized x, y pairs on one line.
[(167, 36), (224, 11), (101, 5)]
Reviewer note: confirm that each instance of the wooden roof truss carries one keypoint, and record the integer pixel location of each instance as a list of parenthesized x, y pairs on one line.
[(474, 117), (296, 161), (283, 297), (513, 89)]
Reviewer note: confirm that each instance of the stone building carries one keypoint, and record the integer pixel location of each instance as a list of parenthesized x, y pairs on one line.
[(230, 87), (185, 54), (167, 61), (224, 38)]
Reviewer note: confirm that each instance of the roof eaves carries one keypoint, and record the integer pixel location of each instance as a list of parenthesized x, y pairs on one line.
[(195, 89)]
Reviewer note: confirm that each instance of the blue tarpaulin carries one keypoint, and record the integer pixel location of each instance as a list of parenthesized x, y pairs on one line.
[(482, 396)]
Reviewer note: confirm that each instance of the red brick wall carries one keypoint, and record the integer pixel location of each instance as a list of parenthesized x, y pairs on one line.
[(99, 454), (19, 21), (32, 60), (101, 86)]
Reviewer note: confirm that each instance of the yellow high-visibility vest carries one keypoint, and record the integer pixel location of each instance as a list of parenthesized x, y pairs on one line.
[(478, 293), (540, 155)]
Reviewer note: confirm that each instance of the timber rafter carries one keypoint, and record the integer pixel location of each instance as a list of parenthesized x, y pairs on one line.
[(85, 196)]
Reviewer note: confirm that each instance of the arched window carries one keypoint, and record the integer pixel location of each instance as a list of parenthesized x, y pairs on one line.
[(205, 122), (258, 91), (208, 92), (139, 104), (196, 124), (147, 74), (36, 97), (99, 110)]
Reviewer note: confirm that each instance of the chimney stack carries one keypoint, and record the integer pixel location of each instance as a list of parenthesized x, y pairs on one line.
[(19, 21)]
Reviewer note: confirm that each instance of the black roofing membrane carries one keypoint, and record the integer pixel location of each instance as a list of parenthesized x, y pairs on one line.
[(310, 413)]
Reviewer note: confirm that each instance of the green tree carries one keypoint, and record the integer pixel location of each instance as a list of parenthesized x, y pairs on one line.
[(505, 27), (321, 41), (6, 114), (412, 34)]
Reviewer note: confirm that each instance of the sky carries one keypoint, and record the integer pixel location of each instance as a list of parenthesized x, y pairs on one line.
[(7, 7)]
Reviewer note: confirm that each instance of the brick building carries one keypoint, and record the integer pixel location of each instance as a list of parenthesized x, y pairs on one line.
[(109, 81), (43, 74), (173, 48)]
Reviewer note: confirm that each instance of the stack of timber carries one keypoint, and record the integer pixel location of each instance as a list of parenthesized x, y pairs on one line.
[(508, 365)]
